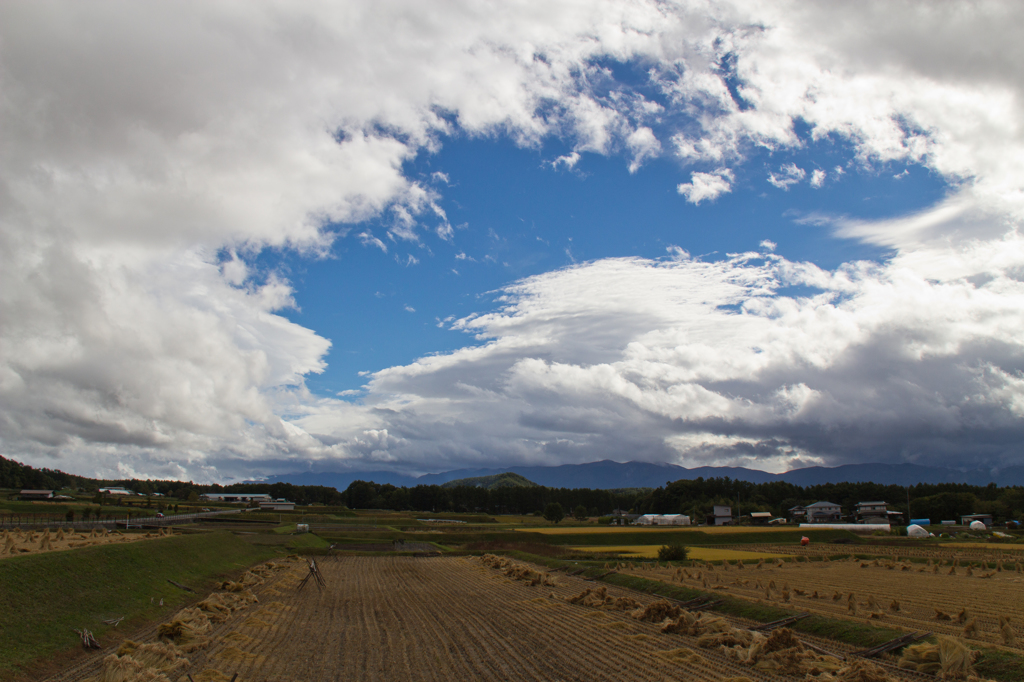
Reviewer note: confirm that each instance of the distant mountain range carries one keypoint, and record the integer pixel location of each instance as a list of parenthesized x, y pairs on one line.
[(506, 479), (611, 475)]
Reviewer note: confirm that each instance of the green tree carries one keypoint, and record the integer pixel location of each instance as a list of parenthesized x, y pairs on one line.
[(580, 513), (554, 512), (673, 553)]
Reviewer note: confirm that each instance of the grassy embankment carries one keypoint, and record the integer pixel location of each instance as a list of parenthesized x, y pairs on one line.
[(44, 597)]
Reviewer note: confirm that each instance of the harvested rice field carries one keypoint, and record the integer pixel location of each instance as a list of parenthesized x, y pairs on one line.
[(19, 543), (459, 618), (698, 553), (954, 598), (969, 551)]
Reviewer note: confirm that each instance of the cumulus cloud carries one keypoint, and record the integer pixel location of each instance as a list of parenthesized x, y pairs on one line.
[(143, 142), (789, 174), (706, 186), (710, 362)]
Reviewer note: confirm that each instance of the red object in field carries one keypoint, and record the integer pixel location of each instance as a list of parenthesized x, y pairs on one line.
[(804, 541)]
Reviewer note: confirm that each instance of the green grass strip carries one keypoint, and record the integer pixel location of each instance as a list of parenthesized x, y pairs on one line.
[(44, 597)]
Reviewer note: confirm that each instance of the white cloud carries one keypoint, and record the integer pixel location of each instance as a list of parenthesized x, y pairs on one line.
[(568, 161), (643, 145), (706, 186), (818, 178), (140, 141), (409, 309), (789, 174), (709, 363), (368, 239)]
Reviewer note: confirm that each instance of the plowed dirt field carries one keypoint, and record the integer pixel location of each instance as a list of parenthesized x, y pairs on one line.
[(445, 618)]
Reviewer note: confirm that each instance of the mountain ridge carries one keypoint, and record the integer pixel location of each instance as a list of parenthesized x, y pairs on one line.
[(607, 474)]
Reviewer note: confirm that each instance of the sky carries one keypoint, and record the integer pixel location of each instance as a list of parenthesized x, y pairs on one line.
[(247, 239)]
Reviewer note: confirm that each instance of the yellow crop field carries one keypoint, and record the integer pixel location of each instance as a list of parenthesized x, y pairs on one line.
[(699, 553), (711, 530)]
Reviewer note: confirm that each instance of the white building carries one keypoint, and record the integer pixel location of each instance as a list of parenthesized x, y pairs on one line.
[(671, 520), (116, 491), (243, 498), (720, 516), (277, 505)]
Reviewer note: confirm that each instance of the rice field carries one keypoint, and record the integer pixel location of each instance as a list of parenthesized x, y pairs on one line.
[(698, 553), (20, 543), (600, 530), (454, 618), (948, 596)]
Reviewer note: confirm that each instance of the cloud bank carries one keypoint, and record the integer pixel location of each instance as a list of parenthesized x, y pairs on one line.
[(150, 151)]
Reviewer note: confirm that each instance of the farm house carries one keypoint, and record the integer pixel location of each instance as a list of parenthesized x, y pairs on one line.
[(824, 512)]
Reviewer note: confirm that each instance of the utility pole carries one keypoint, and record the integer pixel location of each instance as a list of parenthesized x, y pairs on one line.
[(908, 505)]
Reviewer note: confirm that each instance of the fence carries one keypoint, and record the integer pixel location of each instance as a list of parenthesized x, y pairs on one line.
[(26, 521)]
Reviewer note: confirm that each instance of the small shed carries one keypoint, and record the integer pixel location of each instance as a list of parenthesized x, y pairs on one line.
[(36, 494), (760, 518)]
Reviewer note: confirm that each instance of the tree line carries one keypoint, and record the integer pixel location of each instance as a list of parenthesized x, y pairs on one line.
[(21, 476), (692, 497), (943, 501)]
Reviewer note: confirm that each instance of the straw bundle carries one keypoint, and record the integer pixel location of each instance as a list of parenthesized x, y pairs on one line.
[(859, 670), (127, 669), (949, 658), (188, 629), (1009, 638), (657, 612), (209, 675), (941, 615), (160, 656), (781, 652), (971, 628), (681, 656), (963, 615)]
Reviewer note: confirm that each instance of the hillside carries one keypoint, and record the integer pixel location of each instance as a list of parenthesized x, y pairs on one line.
[(503, 480)]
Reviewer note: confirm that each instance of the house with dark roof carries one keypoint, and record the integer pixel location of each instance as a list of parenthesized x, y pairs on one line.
[(824, 512)]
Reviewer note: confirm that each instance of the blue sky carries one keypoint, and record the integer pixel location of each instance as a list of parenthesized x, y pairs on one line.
[(246, 240), (515, 216)]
